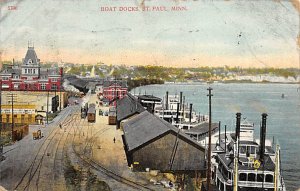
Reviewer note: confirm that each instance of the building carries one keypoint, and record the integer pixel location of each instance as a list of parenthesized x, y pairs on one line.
[(149, 101), (151, 142), (30, 76), (113, 90), (127, 107), (200, 132), (23, 114)]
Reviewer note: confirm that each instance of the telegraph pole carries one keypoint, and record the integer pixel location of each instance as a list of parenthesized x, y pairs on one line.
[(12, 96), (209, 141), (47, 106), (1, 145), (60, 86)]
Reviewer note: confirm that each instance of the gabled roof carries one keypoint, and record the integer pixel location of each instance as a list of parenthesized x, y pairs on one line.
[(128, 106), (31, 55), (145, 127)]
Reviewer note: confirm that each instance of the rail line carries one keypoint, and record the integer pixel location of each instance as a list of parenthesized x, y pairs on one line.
[(67, 122), (98, 167), (38, 169), (50, 137)]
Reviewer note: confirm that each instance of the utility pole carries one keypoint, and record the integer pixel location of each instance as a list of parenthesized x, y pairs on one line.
[(12, 96), (47, 106), (1, 145), (60, 86), (209, 141)]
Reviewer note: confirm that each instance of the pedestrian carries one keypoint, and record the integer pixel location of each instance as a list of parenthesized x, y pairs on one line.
[(114, 140), (60, 125)]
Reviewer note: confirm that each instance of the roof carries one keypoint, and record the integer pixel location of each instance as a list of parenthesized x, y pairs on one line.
[(123, 84), (244, 142), (31, 54), (77, 82), (202, 128), (268, 164), (145, 127), (128, 106), (11, 70), (149, 98), (91, 110)]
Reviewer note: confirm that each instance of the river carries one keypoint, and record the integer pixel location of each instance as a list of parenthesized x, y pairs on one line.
[(251, 100)]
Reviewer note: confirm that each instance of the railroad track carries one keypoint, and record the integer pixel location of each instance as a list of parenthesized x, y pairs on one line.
[(98, 167), (37, 161), (110, 173)]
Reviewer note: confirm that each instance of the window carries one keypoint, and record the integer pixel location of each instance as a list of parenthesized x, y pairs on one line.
[(43, 86), (34, 71), (269, 178), (16, 86), (243, 177), (251, 177), (54, 79), (243, 149), (260, 177), (54, 87)]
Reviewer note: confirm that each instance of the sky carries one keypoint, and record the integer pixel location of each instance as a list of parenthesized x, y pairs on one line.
[(205, 33)]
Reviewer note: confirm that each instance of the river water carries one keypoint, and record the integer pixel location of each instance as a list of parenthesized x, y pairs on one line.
[(251, 100)]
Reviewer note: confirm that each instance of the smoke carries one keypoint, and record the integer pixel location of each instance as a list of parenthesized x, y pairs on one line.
[(258, 106), (235, 108)]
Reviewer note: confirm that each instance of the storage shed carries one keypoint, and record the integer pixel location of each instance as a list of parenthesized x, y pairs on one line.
[(151, 142), (127, 107)]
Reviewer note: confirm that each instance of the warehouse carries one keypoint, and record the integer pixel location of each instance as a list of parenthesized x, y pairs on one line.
[(153, 143), (127, 107)]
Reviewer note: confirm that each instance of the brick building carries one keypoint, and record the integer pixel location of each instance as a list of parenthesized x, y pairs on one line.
[(114, 89), (30, 76)]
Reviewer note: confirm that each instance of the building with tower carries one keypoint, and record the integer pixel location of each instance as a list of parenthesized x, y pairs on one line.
[(30, 76)]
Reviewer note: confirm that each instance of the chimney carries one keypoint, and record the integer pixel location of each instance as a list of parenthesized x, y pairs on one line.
[(167, 100), (180, 100), (191, 110), (263, 130), (177, 113), (238, 125)]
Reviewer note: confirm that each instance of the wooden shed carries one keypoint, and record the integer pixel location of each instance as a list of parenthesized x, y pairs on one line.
[(127, 107), (151, 142)]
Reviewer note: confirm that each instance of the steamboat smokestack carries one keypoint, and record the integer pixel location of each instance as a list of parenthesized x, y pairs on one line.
[(191, 110), (238, 125), (167, 100), (180, 100), (263, 130), (237, 131)]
